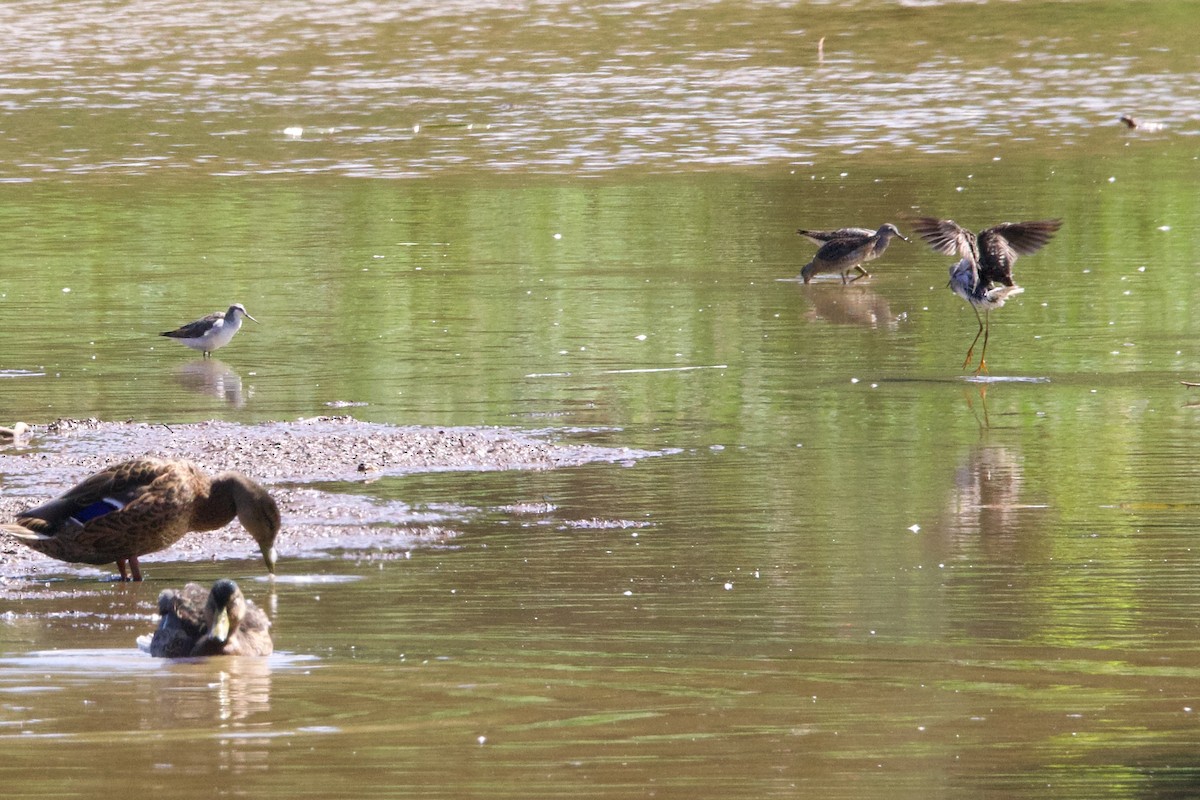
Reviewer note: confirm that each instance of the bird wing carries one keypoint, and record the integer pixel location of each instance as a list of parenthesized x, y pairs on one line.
[(821, 237), (96, 496), (945, 236), (837, 249), (1025, 238), (194, 330)]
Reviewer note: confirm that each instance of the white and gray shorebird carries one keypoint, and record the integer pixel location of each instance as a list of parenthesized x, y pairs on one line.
[(846, 249), (209, 333), (983, 275)]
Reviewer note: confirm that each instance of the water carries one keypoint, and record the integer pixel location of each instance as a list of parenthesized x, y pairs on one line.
[(861, 574)]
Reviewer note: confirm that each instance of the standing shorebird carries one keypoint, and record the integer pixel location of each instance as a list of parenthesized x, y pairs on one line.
[(846, 249), (208, 333), (983, 275)]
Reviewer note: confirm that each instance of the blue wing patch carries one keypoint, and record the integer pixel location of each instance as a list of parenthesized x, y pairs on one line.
[(97, 509)]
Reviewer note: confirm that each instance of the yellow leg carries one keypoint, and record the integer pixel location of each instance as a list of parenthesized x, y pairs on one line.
[(971, 349), (987, 328), (862, 274)]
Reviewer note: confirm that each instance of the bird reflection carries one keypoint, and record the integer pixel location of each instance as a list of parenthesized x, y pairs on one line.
[(988, 488), (212, 377), (852, 305)]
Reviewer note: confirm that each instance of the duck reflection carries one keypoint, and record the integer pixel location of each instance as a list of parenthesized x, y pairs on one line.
[(212, 377), (850, 305)]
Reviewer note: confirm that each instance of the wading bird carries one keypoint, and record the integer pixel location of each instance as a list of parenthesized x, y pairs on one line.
[(983, 275), (208, 333), (141, 506), (217, 622), (846, 249)]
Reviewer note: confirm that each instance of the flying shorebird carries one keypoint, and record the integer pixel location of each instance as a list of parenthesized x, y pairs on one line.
[(846, 249), (983, 275), (209, 333)]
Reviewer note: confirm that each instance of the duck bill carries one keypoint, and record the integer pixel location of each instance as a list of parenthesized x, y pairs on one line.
[(220, 626), (270, 557)]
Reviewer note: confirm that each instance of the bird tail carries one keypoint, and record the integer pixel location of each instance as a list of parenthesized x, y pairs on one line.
[(24, 534)]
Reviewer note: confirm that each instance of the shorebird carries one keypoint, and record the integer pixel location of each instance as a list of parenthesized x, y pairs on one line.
[(983, 275), (1133, 123), (199, 622), (846, 249), (208, 333), (141, 506)]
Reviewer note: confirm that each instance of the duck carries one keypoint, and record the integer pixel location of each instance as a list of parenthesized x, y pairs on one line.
[(846, 249), (144, 505), (983, 276), (220, 621), (1133, 123), (211, 332)]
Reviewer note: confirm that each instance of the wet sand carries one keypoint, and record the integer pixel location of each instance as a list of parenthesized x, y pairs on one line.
[(289, 458)]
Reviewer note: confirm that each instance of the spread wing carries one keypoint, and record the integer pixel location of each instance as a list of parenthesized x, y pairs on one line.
[(1025, 238), (946, 236)]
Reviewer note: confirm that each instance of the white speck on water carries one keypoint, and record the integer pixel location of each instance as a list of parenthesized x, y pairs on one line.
[(854, 380), (914, 528), (641, 337), (728, 585), (1141, 269), (874, 385), (1112, 179), (958, 188), (1164, 227), (844, 174), (66, 290), (716, 447), (293, 131), (627, 593), (481, 739), (558, 236)]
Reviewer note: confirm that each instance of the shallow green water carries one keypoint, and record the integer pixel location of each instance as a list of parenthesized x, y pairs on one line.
[(861, 575)]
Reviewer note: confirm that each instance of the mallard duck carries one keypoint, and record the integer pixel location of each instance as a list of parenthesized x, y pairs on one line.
[(144, 505), (208, 333), (983, 276), (847, 249), (220, 622)]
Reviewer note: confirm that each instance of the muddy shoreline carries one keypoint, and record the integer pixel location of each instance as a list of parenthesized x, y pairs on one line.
[(288, 457)]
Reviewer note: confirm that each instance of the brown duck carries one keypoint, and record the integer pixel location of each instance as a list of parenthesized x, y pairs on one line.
[(142, 506), (220, 622)]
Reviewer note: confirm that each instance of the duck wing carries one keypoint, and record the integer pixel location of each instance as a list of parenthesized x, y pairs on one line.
[(182, 621), (97, 496), (946, 236)]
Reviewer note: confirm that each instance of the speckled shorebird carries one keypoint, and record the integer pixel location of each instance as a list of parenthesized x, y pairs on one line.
[(144, 505), (983, 275), (847, 249), (208, 333), (199, 622)]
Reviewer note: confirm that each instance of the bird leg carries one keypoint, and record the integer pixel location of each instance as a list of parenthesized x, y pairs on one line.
[(132, 568), (971, 349), (862, 273), (987, 328)]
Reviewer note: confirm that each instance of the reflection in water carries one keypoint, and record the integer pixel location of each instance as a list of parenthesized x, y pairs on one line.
[(212, 377), (987, 492), (850, 305)]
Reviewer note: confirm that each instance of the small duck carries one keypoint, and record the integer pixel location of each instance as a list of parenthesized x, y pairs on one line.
[(209, 333), (219, 622), (846, 249), (144, 505), (983, 276)]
